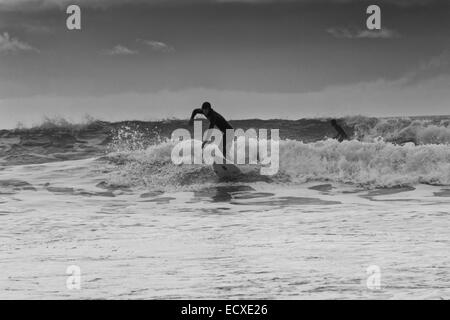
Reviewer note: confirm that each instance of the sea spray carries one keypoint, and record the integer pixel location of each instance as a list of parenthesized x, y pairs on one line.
[(370, 164), (139, 152), (433, 130)]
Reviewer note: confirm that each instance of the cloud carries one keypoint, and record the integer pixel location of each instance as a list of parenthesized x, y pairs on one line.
[(37, 29), (352, 33), (437, 62), (402, 3), (13, 45), (434, 67), (48, 4), (157, 46), (121, 50), (377, 98)]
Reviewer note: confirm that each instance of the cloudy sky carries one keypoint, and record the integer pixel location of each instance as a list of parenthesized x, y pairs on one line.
[(154, 59)]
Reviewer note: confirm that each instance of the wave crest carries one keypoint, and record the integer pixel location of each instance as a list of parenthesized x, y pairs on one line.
[(380, 164), (370, 164), (402, 130)]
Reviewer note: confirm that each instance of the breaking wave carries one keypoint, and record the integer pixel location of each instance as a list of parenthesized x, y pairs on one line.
[(369, 164), (383, 152), (431, 130)]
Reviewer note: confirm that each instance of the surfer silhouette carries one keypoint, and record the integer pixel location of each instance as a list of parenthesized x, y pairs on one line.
[(215, 120), (341, 136)]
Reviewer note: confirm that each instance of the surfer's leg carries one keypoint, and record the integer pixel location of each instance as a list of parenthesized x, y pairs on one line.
[(224, 145)]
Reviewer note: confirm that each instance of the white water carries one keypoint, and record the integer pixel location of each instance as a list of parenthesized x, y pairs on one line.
[(257, 240)]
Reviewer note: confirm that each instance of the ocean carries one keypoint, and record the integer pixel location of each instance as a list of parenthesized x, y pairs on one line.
[(106, 198)]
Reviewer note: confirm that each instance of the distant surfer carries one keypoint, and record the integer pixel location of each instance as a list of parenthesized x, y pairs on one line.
[(341, 136), (215, 120)]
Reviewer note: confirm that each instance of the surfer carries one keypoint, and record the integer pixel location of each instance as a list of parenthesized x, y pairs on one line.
[(215, 120), (341, 136)]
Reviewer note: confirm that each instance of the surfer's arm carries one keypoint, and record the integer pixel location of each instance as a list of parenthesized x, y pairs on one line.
[(194, 113)]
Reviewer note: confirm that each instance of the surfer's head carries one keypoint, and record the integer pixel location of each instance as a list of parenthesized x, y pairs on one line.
[(333, 122), (206, 108)]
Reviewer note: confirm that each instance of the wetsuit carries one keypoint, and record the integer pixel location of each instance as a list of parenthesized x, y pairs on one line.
[(216, 120)]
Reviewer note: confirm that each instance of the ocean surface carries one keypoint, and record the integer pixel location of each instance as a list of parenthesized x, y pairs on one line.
[(106, 197)]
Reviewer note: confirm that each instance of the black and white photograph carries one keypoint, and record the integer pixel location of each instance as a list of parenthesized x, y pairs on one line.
[(224, 150)]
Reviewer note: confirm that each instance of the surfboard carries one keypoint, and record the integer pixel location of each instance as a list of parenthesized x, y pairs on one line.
[(226, 170)]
